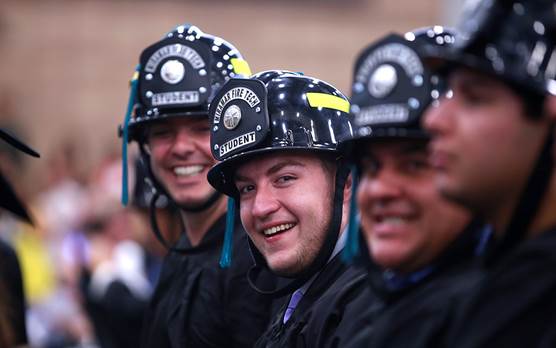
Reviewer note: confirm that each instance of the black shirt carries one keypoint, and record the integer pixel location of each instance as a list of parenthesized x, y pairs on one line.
[(515, 305), (418, 312), (320, 311), (198, 304)]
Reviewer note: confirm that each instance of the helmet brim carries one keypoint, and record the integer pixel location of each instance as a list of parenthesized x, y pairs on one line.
[(221, 175), (11, 202), (137, 126), (18, 144), (444, 62), (349, 147), (390, 133)]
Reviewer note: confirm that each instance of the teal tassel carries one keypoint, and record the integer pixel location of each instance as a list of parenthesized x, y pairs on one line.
[(226, 255), (125, 136), (351, 250)]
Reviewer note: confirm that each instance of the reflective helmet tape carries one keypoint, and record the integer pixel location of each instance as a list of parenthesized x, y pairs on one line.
[(241, 67), (327, 101)]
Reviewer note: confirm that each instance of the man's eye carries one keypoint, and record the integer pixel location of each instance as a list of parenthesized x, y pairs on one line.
[(202, 129), (159, 133), (416, 165), (285, 178), (246, 189), (473, 97), (369, 166)]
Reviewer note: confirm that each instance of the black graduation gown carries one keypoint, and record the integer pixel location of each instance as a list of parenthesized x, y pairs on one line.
[(12, 283), (419, 313), (320, 311), (198, 304), (360, 313), (515, 305)]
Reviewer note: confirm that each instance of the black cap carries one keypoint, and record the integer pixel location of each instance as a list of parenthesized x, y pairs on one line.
[(511, 40), (179, 75), (273, 111), (392, 87), (8, 198)]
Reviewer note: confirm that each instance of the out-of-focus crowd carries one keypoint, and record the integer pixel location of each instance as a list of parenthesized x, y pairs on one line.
[(89, 264)]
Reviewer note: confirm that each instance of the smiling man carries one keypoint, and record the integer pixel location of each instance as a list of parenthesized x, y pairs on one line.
[(288, 231), (493, 149), (196, 303), (291, 186), (421, 247)]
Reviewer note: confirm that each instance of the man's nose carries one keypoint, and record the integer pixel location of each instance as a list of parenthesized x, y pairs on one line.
[(183, 142), (379, 187), (265, 203)]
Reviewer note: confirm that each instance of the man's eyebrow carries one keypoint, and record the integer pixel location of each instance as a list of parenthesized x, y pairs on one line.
[(472, 79), (286, 163), (404, 150), (275, 168)]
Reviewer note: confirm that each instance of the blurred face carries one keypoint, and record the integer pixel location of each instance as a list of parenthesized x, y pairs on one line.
[(484, 145), (181, 158), (406, 222), (286, 207)]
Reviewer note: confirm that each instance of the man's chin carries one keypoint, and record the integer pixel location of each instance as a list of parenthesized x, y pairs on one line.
[(196, 203), (455, 196), (286, 269)]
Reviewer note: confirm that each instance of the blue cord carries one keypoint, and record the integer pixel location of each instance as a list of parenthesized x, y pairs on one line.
[(125, 136), (226, 255), (351, 250)]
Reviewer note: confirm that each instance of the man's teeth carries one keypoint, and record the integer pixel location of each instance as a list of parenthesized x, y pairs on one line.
[(394, 220), (276, 229), (188, 170)]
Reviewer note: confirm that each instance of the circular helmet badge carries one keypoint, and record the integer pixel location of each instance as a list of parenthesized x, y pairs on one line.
[(172, 71), (232, 116), (382, 81)]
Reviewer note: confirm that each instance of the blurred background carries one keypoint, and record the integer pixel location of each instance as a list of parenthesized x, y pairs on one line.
[(64, 72)]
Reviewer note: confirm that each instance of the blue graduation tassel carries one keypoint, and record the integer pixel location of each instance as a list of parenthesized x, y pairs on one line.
[(130, 104), (226, 255), (351, 250)]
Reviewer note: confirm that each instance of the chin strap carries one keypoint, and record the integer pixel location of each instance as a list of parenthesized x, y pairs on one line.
[(529, 202), (182, 250), (125, 133), (291, 286), (214, 197), (324, 253), (351, 250)]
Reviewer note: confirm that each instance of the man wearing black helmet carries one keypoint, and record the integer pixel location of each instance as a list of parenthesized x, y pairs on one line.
[(276, 136), (420, 247), (493, 150), (196, 303)]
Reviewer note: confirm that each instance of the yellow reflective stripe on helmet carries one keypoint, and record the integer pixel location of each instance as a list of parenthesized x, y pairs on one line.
[(327, 101), (241, 67)]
